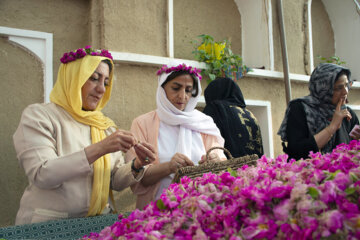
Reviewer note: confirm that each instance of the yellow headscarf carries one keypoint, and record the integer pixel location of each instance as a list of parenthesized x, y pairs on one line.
[(67, 94)]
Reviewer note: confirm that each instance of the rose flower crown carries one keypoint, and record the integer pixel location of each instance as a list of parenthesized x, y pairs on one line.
[(82, 52), (180, 67)]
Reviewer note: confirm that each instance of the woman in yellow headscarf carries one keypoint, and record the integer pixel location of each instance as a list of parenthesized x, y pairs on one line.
[(71, 153)]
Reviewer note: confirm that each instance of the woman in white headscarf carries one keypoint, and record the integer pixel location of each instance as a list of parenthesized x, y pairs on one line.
[(180, 133)]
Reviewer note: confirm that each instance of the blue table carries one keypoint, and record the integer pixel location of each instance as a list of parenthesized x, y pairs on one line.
[(72, 228)]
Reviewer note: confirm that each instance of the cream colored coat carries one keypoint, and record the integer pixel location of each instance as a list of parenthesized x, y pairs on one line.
[(146, 128), (50, 148)]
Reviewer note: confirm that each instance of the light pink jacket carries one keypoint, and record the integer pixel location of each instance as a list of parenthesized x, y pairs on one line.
[(146, 128)]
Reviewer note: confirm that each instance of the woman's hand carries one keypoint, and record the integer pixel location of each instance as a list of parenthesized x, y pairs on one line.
[(339, 115), (355, 132), (213, 157), (179, 160), (120, 140), (145, 153)]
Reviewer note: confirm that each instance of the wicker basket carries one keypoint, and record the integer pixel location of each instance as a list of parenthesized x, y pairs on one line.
[(215, 167)]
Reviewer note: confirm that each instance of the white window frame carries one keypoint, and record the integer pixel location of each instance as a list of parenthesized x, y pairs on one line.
[(262, 112), (41, 45)]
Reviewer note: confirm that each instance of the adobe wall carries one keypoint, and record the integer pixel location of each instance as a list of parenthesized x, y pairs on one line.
[(138, 26)]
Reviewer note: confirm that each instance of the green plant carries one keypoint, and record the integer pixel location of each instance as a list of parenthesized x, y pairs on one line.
[(219, 59), (333, 59)]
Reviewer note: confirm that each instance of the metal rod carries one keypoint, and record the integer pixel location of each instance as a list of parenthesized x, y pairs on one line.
[(284, 52)]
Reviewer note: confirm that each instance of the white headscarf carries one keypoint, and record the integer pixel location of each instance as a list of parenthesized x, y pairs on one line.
[(189, 120)]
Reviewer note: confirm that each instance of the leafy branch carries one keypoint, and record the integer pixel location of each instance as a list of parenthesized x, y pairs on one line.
[(219, 59)]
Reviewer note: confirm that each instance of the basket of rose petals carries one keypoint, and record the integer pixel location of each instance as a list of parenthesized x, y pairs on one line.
[(215, 167)]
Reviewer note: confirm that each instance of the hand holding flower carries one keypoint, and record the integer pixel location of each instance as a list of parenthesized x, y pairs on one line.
[(213, 157), (145, 153), (120, 140), (179, 160)]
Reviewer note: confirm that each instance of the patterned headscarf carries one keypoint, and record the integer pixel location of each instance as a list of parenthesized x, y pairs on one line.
[(318, 105), (67, 94)]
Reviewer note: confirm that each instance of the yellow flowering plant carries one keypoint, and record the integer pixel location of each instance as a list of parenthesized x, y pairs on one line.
[(219, 59)]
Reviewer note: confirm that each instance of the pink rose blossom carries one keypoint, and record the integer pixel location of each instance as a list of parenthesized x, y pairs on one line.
[(307, 199)]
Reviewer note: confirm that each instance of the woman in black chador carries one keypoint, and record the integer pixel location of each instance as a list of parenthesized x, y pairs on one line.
[(238, 126)]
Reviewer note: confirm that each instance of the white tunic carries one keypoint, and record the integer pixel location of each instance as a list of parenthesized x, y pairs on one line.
[(167, 141)]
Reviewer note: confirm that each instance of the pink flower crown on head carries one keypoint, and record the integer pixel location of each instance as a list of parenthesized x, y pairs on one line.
[(180, 67), (82, 52)]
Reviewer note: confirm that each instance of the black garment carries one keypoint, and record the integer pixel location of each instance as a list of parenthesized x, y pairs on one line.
[(318, 104), (238, 126), (301, 142)]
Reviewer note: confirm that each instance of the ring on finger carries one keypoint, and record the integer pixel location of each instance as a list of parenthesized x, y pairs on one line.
[(147, 159)]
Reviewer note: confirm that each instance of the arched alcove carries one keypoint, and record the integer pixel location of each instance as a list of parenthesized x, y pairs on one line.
[(38, 43), (341, 31), (220, 19), (257, 41)]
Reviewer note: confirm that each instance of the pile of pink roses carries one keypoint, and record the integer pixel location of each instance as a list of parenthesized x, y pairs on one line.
[(307, 199)]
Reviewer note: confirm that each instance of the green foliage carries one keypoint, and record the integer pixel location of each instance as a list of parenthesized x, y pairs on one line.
[(350, 190), (333, 59), (160, 204), (313, 192), (219, 59), (232, 172)]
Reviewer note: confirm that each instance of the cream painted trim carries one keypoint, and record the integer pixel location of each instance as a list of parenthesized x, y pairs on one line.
[(170, 28), (277, 75), (311, 50), (40, 44), (262, 112), (271, 39), (142, 59)]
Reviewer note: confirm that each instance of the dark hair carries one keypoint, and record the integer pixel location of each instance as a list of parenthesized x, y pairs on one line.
[(173, 75), (344, 72), (108, 62)]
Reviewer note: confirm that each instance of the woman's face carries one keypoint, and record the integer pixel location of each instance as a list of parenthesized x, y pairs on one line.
[(340, 89), (179, 90), (94, 88)]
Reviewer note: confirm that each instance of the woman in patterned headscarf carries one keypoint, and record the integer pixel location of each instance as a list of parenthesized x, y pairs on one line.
[(321, 120), (239, 127), (71, 153)]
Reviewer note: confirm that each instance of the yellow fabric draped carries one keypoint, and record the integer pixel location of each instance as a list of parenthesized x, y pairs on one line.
[(67, 94)]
